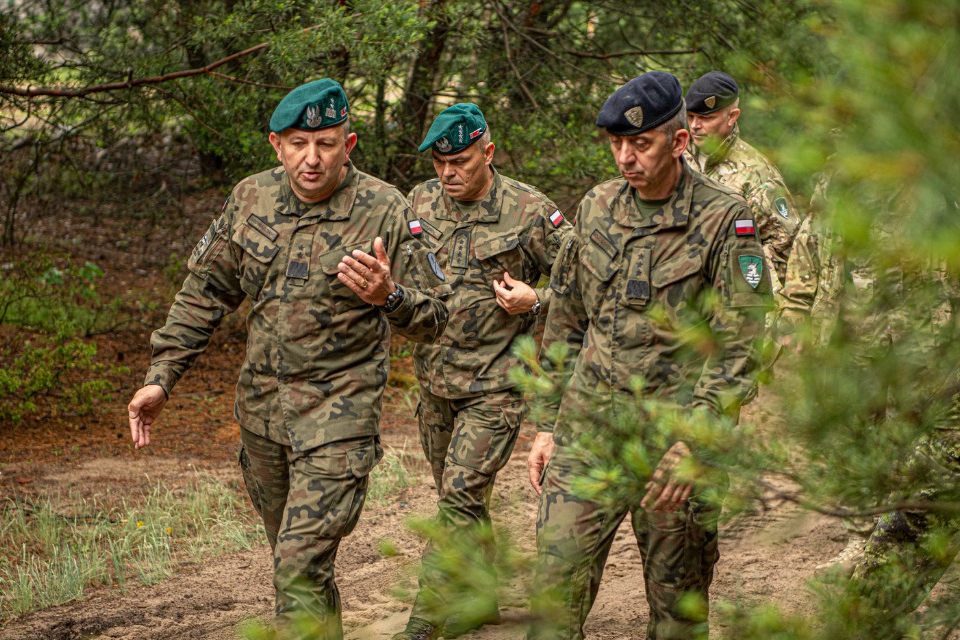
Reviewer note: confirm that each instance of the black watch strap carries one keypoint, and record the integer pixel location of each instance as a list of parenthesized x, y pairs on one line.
[(394, 300)]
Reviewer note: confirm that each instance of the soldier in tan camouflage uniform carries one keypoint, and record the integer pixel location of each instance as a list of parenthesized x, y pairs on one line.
[(719, 152), (648, 250), (311, 244), (893, 314), (490, 239)]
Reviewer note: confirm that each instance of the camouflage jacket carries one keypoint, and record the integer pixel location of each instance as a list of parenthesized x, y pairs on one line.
[(631, 293), (854, 294), (516, 229), (738, 166), (317, 355)]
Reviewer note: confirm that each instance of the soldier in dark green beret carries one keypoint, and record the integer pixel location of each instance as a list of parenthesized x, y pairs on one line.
[(631, 288), (490, 239), (315, 245)]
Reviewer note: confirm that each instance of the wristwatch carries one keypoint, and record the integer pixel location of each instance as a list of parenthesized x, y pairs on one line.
[(394, 300), (535, 309)]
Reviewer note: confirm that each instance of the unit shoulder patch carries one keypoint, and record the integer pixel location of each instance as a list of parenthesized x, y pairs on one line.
[(752, 269)]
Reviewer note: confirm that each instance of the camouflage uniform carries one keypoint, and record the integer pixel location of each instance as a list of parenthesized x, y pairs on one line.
[(740, 167), (310, 388), (851, 299), (469, 413), (626, 287)]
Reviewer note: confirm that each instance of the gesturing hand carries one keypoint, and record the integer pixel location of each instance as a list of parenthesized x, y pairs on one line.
[(368, 276)]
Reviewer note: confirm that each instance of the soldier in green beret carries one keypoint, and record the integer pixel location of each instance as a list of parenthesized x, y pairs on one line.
[(713, 111), (315, 245), (490, 239), (631, 288)]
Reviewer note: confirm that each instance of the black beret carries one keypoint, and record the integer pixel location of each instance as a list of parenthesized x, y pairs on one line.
[(312, 106), (645, 102), (711, 92)]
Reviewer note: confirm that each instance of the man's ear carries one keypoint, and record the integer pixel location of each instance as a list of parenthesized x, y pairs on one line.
[(488, 153), (732, 116), (275, 141), (680, 141), (350, 142)]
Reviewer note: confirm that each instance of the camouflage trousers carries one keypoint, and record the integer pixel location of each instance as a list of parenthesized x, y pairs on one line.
[(574, 536), (466, 441), (908, 551), (308, 502)]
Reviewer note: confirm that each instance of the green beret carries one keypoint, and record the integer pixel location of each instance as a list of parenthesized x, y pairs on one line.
[(455, 129), (312, 106), (711, 92)]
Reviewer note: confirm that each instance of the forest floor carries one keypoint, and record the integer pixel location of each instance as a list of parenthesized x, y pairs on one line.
[(765, 555)]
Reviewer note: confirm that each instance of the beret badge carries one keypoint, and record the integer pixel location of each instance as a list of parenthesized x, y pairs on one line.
[(634, 116), (443, 145), (313, 116), (710, 102)]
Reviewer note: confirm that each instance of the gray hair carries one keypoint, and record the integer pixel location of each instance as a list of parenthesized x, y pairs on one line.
[(485, 138), (677, 122)]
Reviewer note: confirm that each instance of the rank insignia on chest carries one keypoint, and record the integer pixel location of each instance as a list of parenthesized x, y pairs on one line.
[(782, 209), (556, 218), (743, 227), (752, 269), (416, 229)]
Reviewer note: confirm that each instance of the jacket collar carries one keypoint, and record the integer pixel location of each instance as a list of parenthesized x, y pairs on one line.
[(336, 207)]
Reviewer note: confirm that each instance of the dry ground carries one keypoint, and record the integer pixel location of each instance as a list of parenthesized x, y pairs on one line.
[(767, 555)]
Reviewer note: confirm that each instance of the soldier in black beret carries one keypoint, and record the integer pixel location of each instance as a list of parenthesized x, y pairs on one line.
[(713, 110), (647, 249)]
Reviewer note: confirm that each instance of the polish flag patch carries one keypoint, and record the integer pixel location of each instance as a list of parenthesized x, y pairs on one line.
[(556, 218), (474, 134), (415, 228), (744, 227), (343, 112)]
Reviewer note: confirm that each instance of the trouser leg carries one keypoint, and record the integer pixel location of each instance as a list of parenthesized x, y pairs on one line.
[(574, 536), (457, 575), (679, 552), (900, 566), (326, 490)]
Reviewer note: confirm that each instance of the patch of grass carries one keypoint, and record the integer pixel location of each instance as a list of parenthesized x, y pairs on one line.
[(390, 476), (50, 555)]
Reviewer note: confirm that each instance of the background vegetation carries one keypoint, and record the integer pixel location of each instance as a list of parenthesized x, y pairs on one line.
[(101, 101)]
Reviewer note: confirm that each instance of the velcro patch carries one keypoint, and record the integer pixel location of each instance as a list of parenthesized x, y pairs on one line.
[(260, 225), (416, 229), (556, 218), (430, 229), (606, 244), (744, 227)]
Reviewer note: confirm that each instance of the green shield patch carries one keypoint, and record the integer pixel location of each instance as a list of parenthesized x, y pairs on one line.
[(752, 269), (781, 205)]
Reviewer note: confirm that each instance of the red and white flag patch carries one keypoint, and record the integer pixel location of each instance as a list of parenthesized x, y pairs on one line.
[(474, 134), (743, 227), (556, 218), (415, 227)]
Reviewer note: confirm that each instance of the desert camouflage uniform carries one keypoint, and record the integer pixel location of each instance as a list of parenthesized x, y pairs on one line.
[(310, 388), (627, 289), (852, 300), (738, 166), (469, 413)]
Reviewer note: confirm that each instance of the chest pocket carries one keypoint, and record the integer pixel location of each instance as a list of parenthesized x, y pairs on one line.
[(500, 254), (674, 284), (258, 253), (341, 297), (602, 269)]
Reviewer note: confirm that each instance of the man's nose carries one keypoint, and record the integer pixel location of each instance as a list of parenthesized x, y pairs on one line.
[(624, 154), (313, 155)]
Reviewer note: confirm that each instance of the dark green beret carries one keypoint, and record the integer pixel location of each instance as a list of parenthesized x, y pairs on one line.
[(455, 129), (711, 92), (645, 102), (312, 106)]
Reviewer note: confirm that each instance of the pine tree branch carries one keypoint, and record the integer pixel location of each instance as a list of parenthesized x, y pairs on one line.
[(137, 82)]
